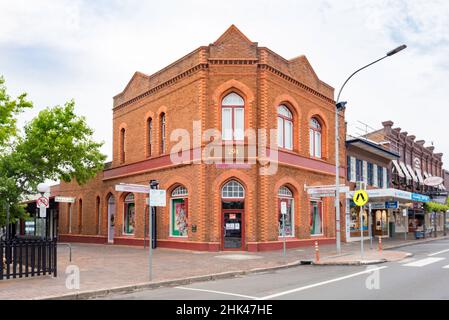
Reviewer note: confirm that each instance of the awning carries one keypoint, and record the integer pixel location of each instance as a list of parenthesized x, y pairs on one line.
[(404, 169), (419, 174), (398, 169), (426, 175), (412, 173)]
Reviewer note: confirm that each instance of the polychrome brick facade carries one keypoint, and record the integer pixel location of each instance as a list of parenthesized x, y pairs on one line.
[(191, 90)]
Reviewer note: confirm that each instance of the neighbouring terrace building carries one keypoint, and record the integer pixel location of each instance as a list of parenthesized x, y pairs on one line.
[(232, 86), (416, 163)]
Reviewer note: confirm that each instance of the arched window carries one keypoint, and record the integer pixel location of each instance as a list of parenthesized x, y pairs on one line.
[(233, 190), (286, 212), (149, 136), (163, 133), (129, 220), (285, 128), (233, 118), (122, 145), (179, 225), (315, 138)]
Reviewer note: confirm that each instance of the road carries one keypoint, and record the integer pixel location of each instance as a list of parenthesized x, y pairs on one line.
[(423, 276)]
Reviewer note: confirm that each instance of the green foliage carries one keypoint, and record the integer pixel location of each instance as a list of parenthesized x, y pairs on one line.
[(56, 145), (9, 109), (435, 207)]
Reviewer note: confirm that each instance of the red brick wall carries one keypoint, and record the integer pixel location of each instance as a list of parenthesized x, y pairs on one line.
[(197, 95)]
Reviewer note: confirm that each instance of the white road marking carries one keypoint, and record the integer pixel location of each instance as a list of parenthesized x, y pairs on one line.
[(280, 294), (446, 267), (423, 262), (437, 253), (218, 292)]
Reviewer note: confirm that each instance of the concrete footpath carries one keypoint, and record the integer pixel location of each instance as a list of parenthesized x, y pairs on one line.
[(113, 269)]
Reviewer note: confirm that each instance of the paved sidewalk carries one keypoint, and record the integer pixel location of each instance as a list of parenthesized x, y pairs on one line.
[(105, 267)]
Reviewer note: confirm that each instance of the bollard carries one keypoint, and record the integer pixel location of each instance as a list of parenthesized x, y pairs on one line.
[(380, 243), (317, 252)]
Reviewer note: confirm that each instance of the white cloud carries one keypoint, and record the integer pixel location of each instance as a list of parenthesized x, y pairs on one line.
[(88, 50)]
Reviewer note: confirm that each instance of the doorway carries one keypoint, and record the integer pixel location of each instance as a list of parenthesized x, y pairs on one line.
[(233, 217), (233, 230), (111, 219)]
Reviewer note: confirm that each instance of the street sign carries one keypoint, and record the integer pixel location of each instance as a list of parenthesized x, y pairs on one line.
[(360, 198), (42, 212), (64, 200), (325, 191), (392, 205), (134, 188), (158, 198), (43, 202), (284, 208)]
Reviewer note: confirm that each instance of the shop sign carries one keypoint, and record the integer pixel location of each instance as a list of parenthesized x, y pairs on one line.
[(64, 200), (420, 197), (392, 205), (377, 205), (132, 188)]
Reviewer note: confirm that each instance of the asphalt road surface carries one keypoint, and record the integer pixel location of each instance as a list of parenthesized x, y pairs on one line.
[(423, 276)]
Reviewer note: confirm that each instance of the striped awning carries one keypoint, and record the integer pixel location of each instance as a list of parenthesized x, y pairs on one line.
[(398, 168)]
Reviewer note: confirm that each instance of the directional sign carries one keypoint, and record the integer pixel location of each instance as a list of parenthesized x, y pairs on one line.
[(64, 200), (158, 198), (43, 202), (360, 198), (132, 188)]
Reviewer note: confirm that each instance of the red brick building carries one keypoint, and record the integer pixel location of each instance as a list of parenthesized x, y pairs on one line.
[(231, 85)]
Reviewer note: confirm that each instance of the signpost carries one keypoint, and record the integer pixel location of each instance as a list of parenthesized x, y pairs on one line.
[(157, 198), (43, 203), (284, 213), (361, 199)]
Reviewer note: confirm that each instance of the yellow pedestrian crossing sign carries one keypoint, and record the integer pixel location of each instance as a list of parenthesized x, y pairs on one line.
[(360, 198)]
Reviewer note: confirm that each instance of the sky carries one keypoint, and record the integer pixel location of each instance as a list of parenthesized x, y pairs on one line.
[(57, 50)]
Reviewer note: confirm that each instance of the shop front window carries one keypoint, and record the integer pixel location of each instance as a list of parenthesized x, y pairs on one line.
[(355, 227), (316, 218), (179, 213), (286, 219), (130, 209)]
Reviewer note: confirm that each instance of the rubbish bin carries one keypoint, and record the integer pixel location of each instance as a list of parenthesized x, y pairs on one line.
[(392, 228), (419, 234)]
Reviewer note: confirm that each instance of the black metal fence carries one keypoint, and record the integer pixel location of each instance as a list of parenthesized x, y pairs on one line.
[(23, 258)]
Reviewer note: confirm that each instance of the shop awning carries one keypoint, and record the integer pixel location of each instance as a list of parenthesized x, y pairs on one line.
[(420, 177), (392, 195), (404, 169), (426, 175), (412, 173), (398, 168)]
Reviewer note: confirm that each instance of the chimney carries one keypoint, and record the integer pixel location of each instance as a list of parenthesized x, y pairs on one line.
[(412, 138), (431, 148), (387, 126)]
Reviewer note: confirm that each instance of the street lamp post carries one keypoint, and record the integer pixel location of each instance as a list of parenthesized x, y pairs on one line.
[(340, 105)]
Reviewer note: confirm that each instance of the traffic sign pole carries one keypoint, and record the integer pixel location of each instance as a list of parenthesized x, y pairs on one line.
[(362, 227)]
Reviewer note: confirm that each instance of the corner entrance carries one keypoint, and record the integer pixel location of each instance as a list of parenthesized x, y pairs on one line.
[(233, 212)]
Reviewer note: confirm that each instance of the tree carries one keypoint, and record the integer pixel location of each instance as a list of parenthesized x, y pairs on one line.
[(56, 145)]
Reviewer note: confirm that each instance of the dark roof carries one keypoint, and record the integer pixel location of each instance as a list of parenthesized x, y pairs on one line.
[(373, 148)]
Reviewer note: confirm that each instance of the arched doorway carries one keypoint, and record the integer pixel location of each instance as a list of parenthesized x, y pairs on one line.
[(233, 211), (111, 218)]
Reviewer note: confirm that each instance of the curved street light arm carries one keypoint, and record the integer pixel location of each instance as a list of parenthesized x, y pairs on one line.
[(352, 75)]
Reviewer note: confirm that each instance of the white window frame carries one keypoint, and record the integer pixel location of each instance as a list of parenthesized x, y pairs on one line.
[(234, 184), (283, 195), (234, 104), (180, 192), (285, 117)]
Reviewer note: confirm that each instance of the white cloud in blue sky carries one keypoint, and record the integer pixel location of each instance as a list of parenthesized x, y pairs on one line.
[(57, 50)]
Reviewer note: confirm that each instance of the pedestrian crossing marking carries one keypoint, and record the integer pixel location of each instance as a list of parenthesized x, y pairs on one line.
[(437, 253), (446, 267), (423, 262)]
